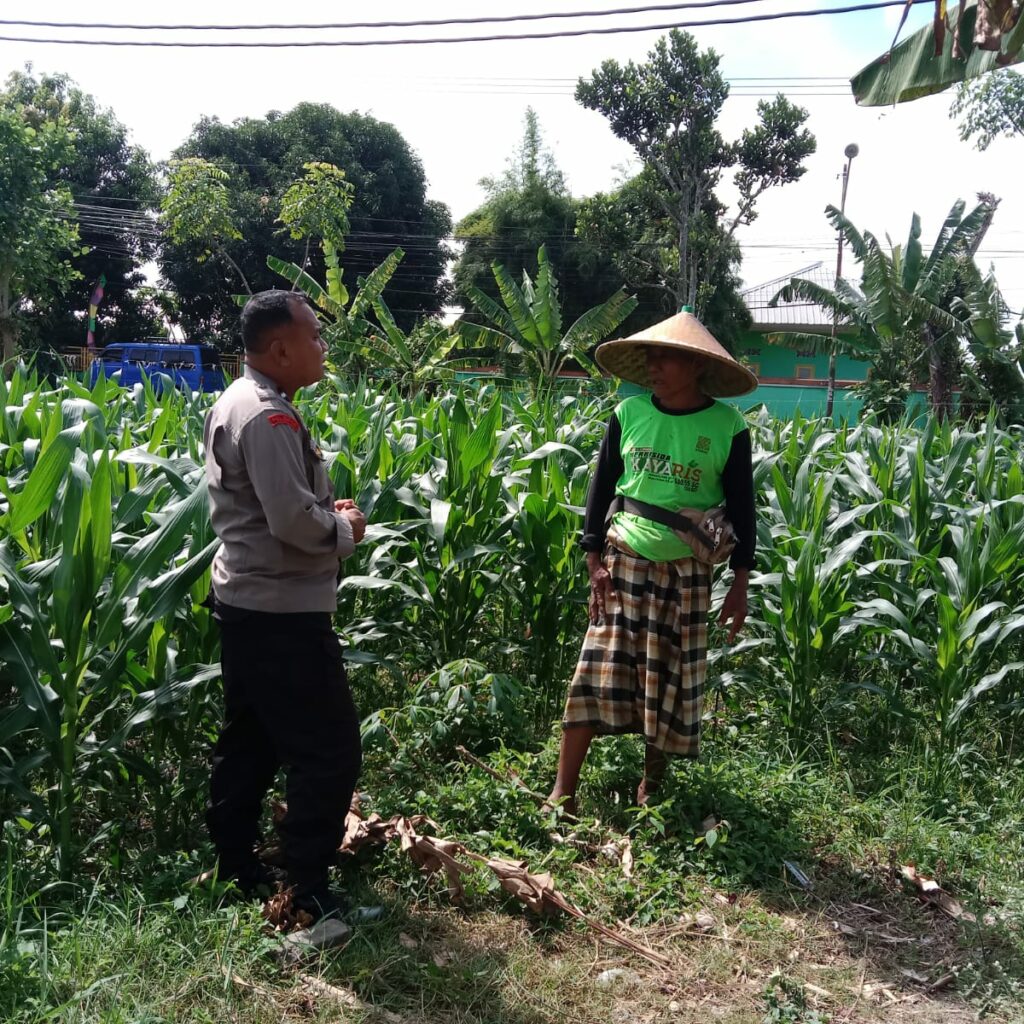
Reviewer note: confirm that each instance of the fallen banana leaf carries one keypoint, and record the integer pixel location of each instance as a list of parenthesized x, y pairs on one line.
[(371, 831), (433, 855), (536, 891), (540, 895)]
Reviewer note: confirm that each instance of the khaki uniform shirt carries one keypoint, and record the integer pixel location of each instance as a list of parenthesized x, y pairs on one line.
[(271, 504)]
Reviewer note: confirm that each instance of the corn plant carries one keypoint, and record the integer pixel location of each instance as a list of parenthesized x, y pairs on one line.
[(102, 545), (888, 568)]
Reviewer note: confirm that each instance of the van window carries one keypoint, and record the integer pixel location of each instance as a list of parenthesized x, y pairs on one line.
[(178, 359), (112, 355), (211, 358)]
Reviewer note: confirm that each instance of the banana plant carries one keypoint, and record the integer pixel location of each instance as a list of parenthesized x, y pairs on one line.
[(528, 330), (906, 300)]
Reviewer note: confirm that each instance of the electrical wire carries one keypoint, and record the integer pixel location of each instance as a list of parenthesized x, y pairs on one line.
[(522, 37), (422, 23)]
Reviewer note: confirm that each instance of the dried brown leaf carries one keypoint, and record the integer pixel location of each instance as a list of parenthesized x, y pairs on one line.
[(371, 831), (536, 891), (282, 916), (432, 855)]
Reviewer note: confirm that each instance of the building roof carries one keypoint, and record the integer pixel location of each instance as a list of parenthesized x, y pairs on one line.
[(798, 314)]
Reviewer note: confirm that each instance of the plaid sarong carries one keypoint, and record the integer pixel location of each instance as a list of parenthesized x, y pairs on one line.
[(642, 668)]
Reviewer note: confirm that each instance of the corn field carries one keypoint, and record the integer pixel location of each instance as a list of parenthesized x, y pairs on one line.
[(889, 594)]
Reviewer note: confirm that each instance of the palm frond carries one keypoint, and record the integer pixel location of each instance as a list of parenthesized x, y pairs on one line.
[(598, 322), (494, 312), (517, 305), (375, 282)]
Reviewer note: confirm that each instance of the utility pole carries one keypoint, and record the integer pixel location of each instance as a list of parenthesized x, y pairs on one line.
[(850, 152)]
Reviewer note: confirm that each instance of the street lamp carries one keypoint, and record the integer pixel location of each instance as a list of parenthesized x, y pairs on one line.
[(850, 152)]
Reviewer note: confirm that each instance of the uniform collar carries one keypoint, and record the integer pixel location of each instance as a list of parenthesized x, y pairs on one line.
[(263, 381)]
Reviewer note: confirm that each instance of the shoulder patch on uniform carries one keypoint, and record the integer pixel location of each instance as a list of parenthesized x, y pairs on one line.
[(282, 419)]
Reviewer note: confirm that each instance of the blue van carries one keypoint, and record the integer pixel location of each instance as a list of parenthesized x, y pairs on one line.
[(195, 367)]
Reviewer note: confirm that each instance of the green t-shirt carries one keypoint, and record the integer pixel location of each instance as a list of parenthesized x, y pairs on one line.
[(675, 461)]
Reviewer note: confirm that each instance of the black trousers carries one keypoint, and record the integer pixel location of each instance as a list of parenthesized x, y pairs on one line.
[(287, 703)]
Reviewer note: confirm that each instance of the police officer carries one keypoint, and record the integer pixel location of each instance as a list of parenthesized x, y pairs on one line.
[(287, 700)]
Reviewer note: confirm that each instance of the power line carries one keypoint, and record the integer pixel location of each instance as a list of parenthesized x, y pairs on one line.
[(422, 23), (422, 244), (562, 34)]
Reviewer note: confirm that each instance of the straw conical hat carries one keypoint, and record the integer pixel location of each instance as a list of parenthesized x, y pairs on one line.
[(724, 377)]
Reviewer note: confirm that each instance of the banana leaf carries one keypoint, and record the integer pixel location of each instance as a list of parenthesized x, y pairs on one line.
[(912, 70)]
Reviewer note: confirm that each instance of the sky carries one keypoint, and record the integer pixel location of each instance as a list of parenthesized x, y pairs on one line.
[(460, 106)]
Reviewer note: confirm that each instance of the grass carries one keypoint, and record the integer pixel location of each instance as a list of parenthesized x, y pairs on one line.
[(138, 944)]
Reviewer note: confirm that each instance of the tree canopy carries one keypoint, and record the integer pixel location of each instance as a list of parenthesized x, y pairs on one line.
[(667, 109), (263, 158), (38, 234), (113, 184), (990, 107), (529, 206)]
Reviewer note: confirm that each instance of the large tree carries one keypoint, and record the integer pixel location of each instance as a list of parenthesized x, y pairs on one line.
[(38, 234), (114, 187), (628, 230), (667, 109), (263, 158), (529, 206)]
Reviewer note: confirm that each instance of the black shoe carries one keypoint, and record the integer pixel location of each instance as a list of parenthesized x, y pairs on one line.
[(319, 902), (253, 879)]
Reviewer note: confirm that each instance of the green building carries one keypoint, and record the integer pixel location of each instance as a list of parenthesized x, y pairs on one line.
[(791, 380)]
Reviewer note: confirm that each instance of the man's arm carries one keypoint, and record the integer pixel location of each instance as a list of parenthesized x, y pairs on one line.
[(738, 485), (602, 488), (272, 447)]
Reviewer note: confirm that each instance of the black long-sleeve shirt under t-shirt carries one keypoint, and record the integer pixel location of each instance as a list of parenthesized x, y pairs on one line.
[(737, 483)]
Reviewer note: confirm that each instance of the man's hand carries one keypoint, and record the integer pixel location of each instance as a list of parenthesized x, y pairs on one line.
[(347, 507), (601, 590), (734, 607)]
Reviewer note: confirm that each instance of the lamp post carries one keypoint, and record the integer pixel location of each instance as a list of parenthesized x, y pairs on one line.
[(850, 152)]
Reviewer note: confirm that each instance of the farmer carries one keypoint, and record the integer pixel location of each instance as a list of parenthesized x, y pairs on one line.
[(286, 697), (643, 661)]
